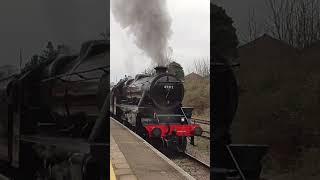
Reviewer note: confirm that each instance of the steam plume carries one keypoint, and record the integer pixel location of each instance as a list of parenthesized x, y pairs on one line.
[(149, 22)]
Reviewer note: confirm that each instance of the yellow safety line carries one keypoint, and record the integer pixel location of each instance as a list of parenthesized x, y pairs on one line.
[(112, 174)]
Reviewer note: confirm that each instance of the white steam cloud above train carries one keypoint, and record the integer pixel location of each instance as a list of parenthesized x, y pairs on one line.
[(150, 23)]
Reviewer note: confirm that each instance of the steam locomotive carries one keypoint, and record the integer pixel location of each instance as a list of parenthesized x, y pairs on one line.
[(54, 115), (151, 105)]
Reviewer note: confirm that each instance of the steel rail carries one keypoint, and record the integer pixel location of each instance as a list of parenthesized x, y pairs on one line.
[(197, 160)]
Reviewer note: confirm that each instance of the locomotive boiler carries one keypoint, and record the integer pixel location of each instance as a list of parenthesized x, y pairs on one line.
[(151, 105), (55, 115)]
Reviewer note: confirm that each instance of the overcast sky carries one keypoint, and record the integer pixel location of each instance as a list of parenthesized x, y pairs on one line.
[(239, 11), (190, 39), (30, 24)]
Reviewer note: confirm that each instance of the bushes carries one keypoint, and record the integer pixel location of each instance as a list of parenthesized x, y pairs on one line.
[(197, 95)]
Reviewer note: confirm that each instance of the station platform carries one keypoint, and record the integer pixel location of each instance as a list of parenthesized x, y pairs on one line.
[(132, 158)]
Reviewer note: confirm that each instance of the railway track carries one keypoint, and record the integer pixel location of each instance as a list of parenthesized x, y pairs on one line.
[(197, 160), (205, 136), (202, 122), (193, 166)]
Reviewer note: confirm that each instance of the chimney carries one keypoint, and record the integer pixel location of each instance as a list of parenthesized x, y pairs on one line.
[(160, 69)]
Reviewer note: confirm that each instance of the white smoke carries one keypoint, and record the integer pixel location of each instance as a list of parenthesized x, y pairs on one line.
[(149, 22)]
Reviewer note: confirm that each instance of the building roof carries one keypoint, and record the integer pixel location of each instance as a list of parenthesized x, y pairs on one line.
[(193, 76), (263, 38), (267, 49)]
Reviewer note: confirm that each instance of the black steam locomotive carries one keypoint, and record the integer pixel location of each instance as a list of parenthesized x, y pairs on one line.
[(151, 105), (54, 115)]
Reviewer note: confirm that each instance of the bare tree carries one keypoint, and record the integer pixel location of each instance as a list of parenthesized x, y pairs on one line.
[(296, 22), (202, 67), (254, 29)]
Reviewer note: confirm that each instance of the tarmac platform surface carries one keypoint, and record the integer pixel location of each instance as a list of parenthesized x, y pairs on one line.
[(133, 158)]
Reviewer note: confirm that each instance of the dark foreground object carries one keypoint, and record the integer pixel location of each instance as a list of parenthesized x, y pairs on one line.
[(228, 160), (237, 161), (54, 117)]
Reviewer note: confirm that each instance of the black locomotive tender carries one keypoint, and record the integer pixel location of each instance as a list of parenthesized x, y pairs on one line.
[(151, 105), (230, 161), (55, 117)]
